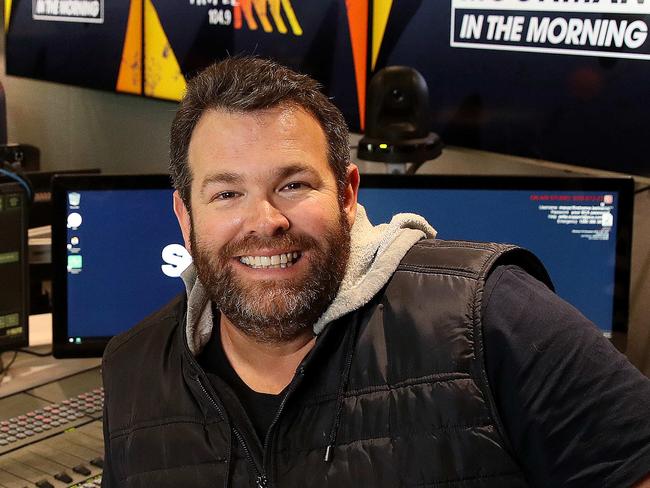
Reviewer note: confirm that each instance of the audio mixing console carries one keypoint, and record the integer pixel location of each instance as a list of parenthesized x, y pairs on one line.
[(51, 435)]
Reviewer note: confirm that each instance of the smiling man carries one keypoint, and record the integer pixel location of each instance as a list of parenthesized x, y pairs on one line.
[(315, 349)]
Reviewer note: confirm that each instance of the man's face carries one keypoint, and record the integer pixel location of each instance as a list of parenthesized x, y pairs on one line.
[(267, 231)]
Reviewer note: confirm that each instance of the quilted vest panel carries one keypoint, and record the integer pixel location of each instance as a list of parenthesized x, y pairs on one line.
[(417, 411)]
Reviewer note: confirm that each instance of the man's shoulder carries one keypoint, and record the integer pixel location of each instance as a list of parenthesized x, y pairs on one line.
[(156, 328), (546, 363), (471, 258)]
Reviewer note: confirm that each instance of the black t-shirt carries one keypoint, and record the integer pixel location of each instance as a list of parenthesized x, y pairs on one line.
[(575, 411), (260, 407)]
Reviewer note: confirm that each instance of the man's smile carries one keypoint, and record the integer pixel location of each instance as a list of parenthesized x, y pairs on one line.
[(280, 260)]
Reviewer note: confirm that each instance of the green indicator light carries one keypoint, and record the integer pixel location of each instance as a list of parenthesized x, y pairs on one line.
[(12, 320), (13, 201), (9, 257)]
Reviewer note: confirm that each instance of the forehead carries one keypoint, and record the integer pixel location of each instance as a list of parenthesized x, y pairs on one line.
[(256, 141)]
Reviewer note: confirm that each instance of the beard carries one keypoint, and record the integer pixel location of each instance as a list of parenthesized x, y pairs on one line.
[(277, 310)]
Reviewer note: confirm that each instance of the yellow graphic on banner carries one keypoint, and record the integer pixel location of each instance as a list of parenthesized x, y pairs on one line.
[(129, 78), (7, 14), (162, 77), (251, 8), (381, 11)]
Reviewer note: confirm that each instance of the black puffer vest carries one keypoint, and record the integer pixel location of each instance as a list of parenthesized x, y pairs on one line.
[(392, 395)]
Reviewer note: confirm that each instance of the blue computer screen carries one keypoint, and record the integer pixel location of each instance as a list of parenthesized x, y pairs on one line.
[(573, 233), (116, 268), (124, 247)]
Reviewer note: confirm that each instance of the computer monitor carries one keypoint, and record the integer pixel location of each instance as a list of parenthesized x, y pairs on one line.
[(14, 317), (580, 227), (117, 248), (117, 254)]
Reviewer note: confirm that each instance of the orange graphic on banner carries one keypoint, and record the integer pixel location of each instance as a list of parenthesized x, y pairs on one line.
[(260, 8), (129, 79), (358, 24)]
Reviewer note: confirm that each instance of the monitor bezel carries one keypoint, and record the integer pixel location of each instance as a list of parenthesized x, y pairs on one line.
[(61, 184), (623, 185), (21, 340)]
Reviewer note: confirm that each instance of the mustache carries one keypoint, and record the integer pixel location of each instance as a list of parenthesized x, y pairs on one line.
[(251, 243)]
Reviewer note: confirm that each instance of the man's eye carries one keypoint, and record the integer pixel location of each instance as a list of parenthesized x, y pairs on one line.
[(296, 185), (225, 195)]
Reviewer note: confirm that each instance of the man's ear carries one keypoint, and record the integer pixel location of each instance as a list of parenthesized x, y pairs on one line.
[(351, 193), (184, 221)]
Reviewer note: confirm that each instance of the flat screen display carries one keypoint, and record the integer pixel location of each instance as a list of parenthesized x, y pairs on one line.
[(118, 251), (118, 254)]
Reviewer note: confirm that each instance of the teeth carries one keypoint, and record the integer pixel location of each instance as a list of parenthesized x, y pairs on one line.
[(284, 260)]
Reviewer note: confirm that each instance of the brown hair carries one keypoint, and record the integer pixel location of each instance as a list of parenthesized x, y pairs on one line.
[(247, 84)]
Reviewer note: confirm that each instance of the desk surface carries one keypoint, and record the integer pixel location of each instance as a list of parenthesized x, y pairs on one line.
[(30, 371)]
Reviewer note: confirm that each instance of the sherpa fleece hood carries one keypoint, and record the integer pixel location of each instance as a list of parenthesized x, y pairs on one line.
[(375, 253)]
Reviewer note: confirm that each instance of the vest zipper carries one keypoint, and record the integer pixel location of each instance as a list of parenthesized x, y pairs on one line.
[(262, 482), (267, 440), (260, 477)]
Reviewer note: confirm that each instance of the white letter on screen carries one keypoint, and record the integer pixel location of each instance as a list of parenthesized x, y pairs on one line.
[(177, 259)]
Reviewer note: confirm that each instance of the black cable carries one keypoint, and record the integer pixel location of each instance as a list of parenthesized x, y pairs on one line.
[(11, 172), (642, 189), (414, 167), (5, 368), (34, 353)]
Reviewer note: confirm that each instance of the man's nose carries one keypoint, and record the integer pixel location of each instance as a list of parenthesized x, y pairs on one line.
[(266, 219)]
